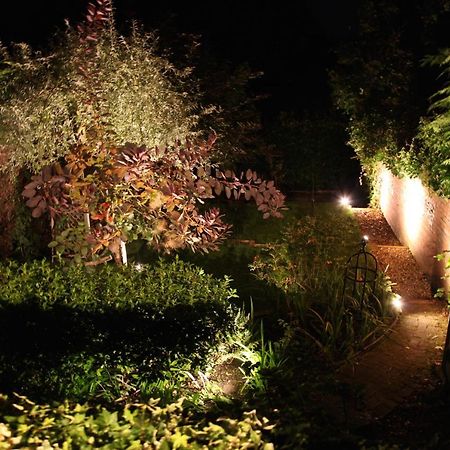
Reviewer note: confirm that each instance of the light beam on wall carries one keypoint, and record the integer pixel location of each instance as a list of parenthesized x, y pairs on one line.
[(414, 199)]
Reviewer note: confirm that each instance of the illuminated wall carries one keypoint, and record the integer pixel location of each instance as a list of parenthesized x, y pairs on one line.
[(419, 218)]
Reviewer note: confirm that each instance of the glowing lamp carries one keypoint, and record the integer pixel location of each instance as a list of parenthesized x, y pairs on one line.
[(397, 302), (366, 238), (345, 201)]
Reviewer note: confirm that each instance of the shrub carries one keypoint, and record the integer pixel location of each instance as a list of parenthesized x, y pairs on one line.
[(99, 122), (308, 266), (133, 427), (62, 325)]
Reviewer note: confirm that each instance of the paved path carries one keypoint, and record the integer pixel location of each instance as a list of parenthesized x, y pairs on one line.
[(401, 362)]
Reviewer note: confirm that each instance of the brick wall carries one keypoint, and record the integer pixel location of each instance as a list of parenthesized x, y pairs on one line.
[(419, 218)]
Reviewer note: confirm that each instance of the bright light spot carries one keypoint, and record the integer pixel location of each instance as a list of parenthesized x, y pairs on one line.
[(397, 302), (366, 238), (414, 200), (345, 201)]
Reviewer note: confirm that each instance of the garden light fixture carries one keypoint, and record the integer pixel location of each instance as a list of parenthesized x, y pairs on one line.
[(345, 201), (397, 303)]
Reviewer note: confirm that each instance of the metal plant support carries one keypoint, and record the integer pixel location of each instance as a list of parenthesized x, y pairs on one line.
[(361, 274)]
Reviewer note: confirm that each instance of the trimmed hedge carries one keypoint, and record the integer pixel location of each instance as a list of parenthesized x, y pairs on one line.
[(59, 324)]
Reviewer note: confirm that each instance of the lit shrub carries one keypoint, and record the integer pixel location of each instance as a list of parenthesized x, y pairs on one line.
[(60, 324), (308, 266), (139, 426)]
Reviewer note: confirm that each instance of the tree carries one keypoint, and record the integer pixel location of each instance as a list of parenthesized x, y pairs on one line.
[(372, 83), (98, 189), (379, 82), (51, 103)]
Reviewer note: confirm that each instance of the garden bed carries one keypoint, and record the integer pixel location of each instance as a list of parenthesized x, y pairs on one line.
[(165, 328)]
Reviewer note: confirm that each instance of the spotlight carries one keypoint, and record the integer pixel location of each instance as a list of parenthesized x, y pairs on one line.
[(345, 201), (397, 303)]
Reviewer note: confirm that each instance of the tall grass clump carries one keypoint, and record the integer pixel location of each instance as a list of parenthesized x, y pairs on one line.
[(308, 265)]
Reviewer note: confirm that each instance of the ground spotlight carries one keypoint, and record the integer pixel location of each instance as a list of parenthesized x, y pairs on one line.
[(345, 201), (397, 302)]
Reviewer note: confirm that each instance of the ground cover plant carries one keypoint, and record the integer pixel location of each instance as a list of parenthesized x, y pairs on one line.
[(134, 427)]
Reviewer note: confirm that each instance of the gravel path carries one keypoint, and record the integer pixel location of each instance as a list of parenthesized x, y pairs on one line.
[(394, 258), (399, 365)]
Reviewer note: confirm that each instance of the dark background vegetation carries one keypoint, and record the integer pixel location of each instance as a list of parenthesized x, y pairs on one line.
[(290, 44), (294, 47)]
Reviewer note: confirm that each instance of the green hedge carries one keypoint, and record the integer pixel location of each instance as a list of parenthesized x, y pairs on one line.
[(158, 287), (62, 327)]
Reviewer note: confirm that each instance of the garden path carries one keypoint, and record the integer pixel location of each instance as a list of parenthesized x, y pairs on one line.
[(404, 360)]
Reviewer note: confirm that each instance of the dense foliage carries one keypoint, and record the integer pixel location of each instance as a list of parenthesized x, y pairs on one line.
[(43, 112), (72, 331), (308, 266), (167, 331), (137, 426), (379, 82), (431, 159), (72, 126), (372, 84)]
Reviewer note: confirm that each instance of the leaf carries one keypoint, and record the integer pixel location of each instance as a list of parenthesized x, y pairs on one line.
[(32, 202), (31, 186), (28, 193), (37, 212), (259, 199), (65, 233)]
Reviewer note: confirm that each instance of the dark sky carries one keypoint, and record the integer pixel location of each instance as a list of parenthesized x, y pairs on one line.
[(290, 41)]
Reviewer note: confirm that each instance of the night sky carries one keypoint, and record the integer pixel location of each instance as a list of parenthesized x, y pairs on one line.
[(290, 41)]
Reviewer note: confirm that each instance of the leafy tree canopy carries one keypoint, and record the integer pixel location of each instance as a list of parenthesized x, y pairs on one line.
[(379, 82), (107, 127)]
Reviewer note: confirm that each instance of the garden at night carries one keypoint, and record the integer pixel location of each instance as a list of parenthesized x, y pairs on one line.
[(224, 226)]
